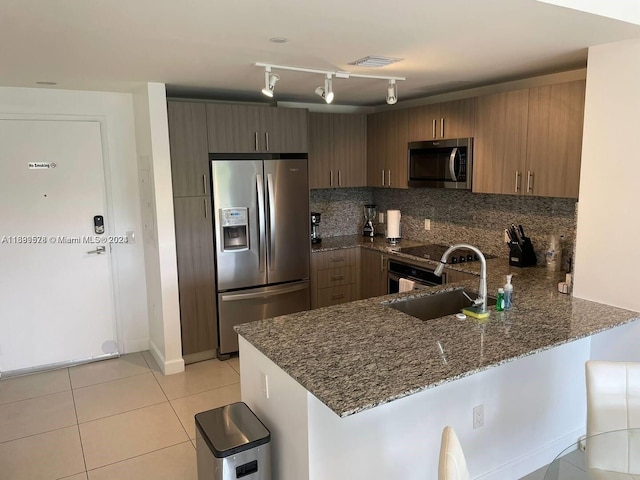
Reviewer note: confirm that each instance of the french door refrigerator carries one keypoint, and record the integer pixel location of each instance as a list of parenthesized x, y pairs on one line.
[(261, 222)]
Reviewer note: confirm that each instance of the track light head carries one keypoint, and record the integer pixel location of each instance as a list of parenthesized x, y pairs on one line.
[(326, 92), (392, 92), (270, 80)]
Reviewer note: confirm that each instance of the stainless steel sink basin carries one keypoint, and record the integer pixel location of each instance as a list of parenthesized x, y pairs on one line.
[(439, 304)]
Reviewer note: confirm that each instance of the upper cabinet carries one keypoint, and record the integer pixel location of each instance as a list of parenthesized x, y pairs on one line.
[(256, 129), (387, 139), (554, 139), (500, 143), (529, 141), (442, 120), (188, 143), (337, 150)]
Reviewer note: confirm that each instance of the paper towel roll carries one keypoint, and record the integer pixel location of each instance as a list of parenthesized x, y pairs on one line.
[(393, 223)]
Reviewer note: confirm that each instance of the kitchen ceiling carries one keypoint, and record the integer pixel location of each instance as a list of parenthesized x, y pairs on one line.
[(207, 48)]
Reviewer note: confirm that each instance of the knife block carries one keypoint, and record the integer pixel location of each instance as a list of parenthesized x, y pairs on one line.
[(522, 255)]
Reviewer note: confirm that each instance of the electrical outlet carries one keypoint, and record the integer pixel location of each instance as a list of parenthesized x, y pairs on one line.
[(427, 224), (478, 416), (380, 217), (265, 384), (506, 237)]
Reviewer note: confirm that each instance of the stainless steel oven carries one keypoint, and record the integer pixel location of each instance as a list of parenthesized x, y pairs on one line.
[(422, 276)]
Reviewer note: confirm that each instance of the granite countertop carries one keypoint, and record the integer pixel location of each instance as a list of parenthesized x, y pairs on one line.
[(358, 355)]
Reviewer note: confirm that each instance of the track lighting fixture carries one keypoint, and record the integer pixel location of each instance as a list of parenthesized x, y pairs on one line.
[(392, 92), (270, 80), (326, 92)]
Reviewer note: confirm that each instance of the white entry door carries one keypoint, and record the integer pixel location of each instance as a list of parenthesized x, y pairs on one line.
[(56, 298)]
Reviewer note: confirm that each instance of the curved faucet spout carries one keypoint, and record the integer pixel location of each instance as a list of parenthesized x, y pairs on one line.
[(482, 291)]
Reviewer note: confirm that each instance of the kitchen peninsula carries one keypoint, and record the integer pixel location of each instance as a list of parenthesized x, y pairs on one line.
[(362, 391)]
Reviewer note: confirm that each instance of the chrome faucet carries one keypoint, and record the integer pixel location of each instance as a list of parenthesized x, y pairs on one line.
[(482, 291)]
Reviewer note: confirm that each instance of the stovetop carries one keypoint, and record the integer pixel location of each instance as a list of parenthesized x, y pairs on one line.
[(435, 251)]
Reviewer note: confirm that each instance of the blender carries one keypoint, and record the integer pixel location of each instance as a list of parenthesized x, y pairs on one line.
[(368, 230)]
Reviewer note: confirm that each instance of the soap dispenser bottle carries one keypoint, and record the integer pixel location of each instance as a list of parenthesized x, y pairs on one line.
[(508, 293)]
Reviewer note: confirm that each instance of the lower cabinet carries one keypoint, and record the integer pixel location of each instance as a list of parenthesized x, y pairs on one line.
[(334, 277), (456, 276), (373, 272), (196, 276)]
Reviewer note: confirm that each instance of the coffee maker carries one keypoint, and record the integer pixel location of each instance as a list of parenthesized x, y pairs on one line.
[(368, 230), (315, 221)]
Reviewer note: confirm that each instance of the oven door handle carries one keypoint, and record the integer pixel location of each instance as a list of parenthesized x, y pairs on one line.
[(452, 164)]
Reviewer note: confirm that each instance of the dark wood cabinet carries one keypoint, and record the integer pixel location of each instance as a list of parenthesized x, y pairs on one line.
[(387, 139), (373, 271), (529, 142), (337, 150), (334, 277), (438, 121), (188, 143), (256, 129), (196, 276)]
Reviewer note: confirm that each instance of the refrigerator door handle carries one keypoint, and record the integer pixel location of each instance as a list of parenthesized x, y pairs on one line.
[(260, 221), (272, 220), (272, 293)]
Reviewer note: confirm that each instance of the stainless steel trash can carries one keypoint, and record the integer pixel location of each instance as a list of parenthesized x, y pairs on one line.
[(232, 443)]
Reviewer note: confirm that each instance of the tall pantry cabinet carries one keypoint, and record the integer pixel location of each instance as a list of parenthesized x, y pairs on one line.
[(194, 228)]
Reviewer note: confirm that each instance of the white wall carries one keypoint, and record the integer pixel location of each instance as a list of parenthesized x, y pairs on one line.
[(607, 264), (117, 111), (156, 199)]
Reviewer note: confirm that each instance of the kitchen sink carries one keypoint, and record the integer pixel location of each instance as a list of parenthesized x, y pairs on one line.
[(439, 304)]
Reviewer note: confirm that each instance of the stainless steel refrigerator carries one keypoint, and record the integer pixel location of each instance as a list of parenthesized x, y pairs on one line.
[(262, 236)]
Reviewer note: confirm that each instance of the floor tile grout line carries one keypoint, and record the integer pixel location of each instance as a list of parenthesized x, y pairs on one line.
[(115, 380), (39, 433), (33, 398), (112, 380), (180, 421), (123, 412), (135, 456), (75, 410), (205, 391)]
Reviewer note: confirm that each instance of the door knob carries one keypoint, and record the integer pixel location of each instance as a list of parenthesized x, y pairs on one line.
[(98, 250)]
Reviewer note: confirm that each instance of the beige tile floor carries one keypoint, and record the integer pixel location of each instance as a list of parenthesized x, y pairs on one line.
[(116, 419)]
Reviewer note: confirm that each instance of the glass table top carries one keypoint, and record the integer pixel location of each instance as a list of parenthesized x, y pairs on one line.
[(611, 455)]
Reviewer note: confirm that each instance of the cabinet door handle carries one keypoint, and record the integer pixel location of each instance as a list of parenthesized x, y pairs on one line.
[(433, 128), (266, 140), (336, 260), (382, 263), (204, 201), (337, 297), (383, 178), (331, 178), (255, 141), (529, 182), (389, 178), (517, 188), (335, 278), (204, 184), (442, 127), (339, 178)]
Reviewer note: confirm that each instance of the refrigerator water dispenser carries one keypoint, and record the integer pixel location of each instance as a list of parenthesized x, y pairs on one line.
[(235, 229)]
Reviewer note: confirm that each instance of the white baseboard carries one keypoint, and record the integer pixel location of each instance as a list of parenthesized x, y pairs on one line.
[(168, 367), (531, 461)]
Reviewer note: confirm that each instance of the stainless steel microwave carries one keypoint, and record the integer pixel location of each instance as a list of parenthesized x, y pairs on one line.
[(441, 163)]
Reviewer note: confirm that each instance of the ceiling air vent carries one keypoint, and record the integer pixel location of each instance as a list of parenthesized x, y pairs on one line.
[(374, 61)]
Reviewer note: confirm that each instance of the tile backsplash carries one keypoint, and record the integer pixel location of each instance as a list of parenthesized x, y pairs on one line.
[(456, 216)]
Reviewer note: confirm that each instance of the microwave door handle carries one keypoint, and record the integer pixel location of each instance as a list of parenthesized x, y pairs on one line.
[(261, 221), (452, 164)]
